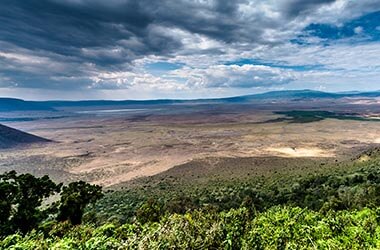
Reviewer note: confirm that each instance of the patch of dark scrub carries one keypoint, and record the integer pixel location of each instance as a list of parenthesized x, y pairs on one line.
[(29, 119), (139, 118), (307, 116)]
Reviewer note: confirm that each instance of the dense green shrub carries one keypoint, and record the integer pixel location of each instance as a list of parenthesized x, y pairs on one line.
[(276, 228)]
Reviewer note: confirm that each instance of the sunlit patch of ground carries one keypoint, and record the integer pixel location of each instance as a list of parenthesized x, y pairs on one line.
[(365, 101), (364, 158), (373, 117), (300, 152)]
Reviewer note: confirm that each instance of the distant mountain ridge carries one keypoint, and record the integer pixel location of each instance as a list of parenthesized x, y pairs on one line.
[(11, 104), (10, 137), (305, 94)]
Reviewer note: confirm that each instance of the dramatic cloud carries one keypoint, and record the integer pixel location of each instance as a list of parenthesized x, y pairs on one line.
[(234, 76), (120, 45), (293, 8)]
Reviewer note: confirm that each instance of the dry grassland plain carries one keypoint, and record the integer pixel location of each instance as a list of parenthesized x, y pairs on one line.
[(109, 146)]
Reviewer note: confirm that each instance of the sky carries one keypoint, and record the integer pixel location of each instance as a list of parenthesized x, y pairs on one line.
[(153, 49)]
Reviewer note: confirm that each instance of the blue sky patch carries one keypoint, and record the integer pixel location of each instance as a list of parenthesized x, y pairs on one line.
[(366, 27), (159, 68)]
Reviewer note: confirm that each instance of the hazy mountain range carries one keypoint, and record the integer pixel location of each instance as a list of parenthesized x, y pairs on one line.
[(11, 104)]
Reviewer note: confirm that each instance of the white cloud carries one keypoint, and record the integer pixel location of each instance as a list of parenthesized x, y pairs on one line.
[(358, 30), (234, 76), (126, 80)]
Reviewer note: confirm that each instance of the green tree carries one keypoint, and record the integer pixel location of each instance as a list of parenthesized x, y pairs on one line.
[(21, 198), (74, 199), (7, 199)]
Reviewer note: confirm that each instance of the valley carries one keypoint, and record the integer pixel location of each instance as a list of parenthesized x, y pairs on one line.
[(171, 171), (111, 145)]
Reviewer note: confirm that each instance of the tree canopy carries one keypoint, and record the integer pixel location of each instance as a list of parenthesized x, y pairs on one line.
[(74, 198), (22, 197)]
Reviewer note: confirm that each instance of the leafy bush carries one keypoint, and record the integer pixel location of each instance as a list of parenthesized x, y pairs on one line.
[(276, 228)]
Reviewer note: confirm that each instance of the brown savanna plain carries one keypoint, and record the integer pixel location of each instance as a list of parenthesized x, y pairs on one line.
[(111, 146)]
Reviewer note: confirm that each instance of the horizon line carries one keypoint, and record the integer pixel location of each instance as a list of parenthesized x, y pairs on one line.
[(197, 99)]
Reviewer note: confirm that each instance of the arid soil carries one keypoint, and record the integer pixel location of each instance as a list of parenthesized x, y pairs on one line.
[(112, 148)]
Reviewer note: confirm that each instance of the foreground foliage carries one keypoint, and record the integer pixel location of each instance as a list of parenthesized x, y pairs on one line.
[(22, 197), (276, 228)]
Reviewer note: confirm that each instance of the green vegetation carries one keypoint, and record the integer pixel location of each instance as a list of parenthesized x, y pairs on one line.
[(276, 228), (347, 185), (22, 197), (74, 199), (306, 116), (334, 209)]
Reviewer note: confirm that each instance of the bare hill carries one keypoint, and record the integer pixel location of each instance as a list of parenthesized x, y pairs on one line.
[(10, 137)]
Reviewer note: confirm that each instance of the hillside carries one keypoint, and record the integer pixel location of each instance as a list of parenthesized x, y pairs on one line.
[(335, 206), (10, 137)]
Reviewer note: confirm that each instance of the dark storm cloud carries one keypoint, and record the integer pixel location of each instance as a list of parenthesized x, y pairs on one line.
[(293, 8), (65, 43), (107, 34), (218, 20), (66, 27)]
